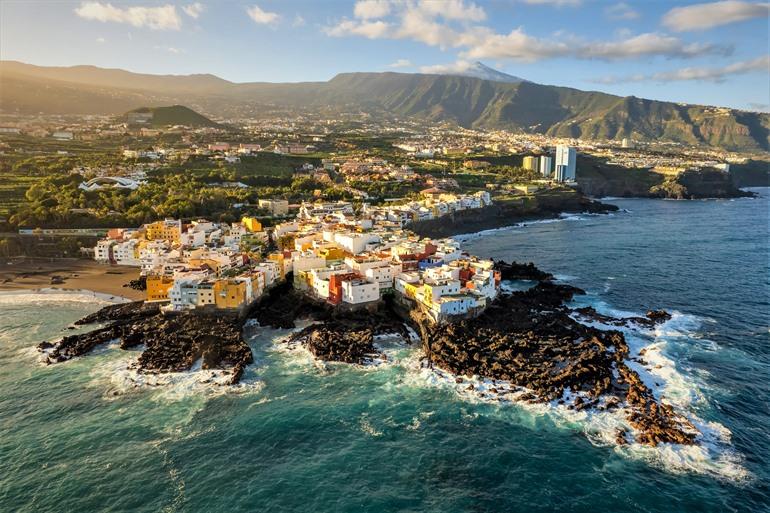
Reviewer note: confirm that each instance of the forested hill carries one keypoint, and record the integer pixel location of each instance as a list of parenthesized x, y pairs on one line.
[(173, 115), (467, 101)]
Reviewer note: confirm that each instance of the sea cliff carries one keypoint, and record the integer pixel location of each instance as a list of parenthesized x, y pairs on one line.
[(508, 212), (598, 179)]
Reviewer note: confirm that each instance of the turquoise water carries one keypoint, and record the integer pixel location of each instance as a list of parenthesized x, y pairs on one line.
[(300, 436)]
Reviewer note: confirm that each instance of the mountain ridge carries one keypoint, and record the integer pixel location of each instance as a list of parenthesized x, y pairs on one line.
[(467, 101)]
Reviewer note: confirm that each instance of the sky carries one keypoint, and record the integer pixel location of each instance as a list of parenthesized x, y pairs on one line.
[(712, 53)]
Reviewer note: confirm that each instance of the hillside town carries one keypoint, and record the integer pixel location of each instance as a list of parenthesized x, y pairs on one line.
[(331, 253)]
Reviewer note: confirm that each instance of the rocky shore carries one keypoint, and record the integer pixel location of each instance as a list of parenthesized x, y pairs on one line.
[(335, 335), (530, 340), (172, 343), (599, 179), (509, 212)]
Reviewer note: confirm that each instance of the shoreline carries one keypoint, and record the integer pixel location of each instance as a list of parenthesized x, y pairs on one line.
[(68, 275), (468, 223)]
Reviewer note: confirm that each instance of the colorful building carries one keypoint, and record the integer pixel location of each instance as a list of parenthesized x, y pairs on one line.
[(252, 224), (158, 288)]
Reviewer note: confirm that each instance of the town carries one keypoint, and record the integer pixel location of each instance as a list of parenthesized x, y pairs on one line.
[(332, 255)]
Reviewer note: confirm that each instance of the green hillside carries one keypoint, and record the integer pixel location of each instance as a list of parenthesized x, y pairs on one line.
[(174, 115)]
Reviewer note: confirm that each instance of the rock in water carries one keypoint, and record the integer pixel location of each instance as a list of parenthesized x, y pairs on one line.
[(529, 339), (517, 271), (173, 342)]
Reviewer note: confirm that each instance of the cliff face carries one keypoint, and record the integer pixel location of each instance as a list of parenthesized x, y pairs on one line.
[(599, 180), (509, 212), (698, 184)]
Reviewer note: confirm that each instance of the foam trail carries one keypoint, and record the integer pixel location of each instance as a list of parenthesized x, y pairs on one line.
[(53, 295)]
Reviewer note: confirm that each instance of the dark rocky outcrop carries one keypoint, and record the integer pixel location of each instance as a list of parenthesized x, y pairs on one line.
[(282, 305), (517, 271), (137, 284), (502, 213), (697, 184), (173, 342), (530, 339), (349, 336), (652, 318), (121, 312), (338, 343)]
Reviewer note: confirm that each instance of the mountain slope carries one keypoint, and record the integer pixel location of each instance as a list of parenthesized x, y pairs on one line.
[(467, 101)]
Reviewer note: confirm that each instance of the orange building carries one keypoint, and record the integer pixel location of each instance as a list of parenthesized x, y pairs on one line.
[(158, 287), (230, 293)]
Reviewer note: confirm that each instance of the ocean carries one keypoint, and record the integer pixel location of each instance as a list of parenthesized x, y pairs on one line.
[(298, 435)]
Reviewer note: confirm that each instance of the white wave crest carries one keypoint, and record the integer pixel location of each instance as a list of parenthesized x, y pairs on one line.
[(54, 295)]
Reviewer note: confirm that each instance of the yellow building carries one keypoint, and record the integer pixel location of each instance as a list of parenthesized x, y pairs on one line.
[(331, 253), (230, 293), (411, 290), (158, 287), (169, 229), (530, 163), (251, 224)]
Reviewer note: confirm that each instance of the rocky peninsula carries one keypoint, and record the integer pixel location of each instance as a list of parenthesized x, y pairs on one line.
[(508, 212), (530, 340), (172, 343), (599, 179)]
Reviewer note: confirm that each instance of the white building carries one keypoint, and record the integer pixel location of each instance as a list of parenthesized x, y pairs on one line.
[(546, 166), (193, 238), (356, 291), (566, 163), (103, 250), (277, 207)]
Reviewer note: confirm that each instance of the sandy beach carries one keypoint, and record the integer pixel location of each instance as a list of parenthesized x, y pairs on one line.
[(75, 274)]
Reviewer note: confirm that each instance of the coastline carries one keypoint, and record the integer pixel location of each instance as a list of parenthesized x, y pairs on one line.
[(76, 275), (467, 223)]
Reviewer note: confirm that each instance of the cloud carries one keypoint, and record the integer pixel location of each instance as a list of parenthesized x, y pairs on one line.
[(170, 49), (759, 107), (193, 10), (557, 3), (368, 29), (163, 17), (519, 46), (706, 16), (649, 44), (371, 9), (447, 69), (444, 24), (621, 11), (400, 63), (262, 17), (299, 21), (719, 74), (101, 40), (420, 26), (451, 10), (516, 46)]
